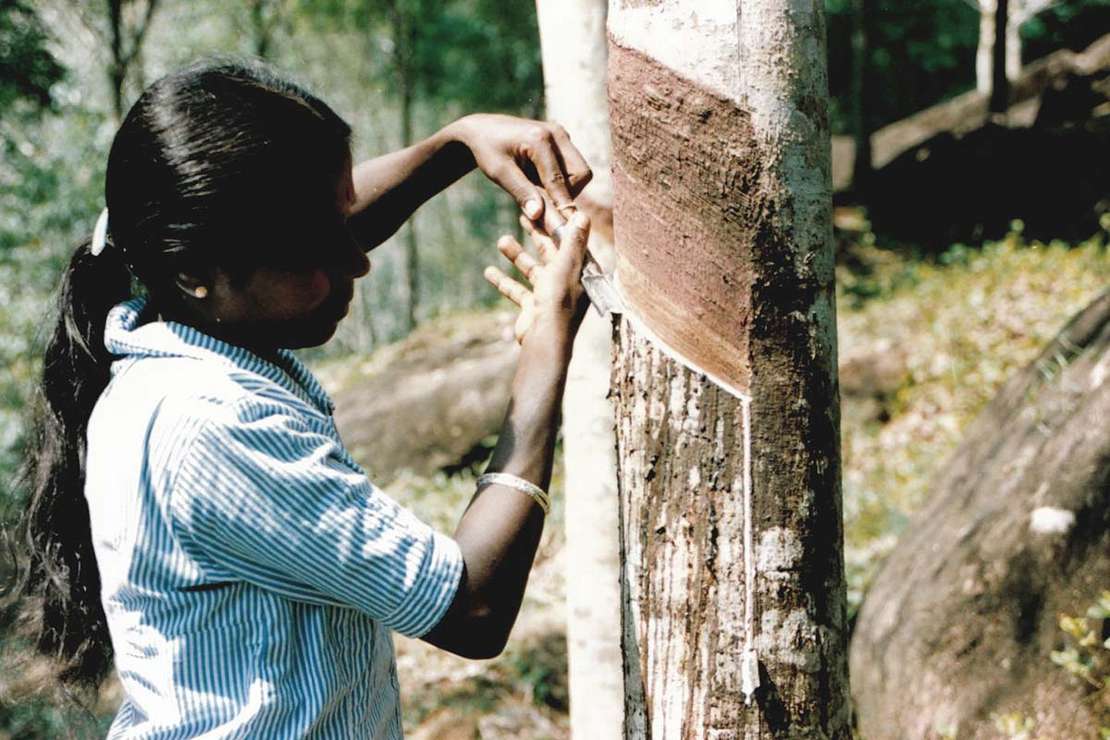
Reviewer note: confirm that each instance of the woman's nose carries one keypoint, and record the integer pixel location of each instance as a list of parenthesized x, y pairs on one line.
[(357, 264), (361, 263)]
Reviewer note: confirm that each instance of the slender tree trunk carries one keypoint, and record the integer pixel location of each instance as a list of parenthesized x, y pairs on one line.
[(861, 125), (729, 480), (1000, 84), (125, 42), (412, 254), (1013, 48), (984, 54), (262, 15), (402, 56), (117, 72), (574, 62)]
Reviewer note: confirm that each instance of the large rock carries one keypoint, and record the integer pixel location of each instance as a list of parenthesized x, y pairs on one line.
[(960, 622), (430, 402)]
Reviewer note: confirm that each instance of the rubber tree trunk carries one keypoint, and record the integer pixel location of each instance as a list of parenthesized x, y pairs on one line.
[(729, 479), (575, 53)]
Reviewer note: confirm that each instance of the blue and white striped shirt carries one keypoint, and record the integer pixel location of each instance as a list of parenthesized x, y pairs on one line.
[(250, 571)]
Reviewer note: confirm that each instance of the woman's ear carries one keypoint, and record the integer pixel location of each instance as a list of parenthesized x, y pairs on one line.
[(191, 285)]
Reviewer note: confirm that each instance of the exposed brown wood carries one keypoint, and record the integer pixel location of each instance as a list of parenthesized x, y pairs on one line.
[(683, 177)]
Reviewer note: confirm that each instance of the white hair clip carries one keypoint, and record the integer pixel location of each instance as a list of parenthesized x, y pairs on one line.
[(100, 234)]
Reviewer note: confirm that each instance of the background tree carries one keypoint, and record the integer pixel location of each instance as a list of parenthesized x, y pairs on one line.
[(1000, 82), (128, 23), (731, 541), (861, 128), (1017, 13), (472, 54), (575, 55), (266, 16)]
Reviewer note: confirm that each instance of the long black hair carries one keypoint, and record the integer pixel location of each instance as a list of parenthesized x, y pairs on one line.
[(223, 163)]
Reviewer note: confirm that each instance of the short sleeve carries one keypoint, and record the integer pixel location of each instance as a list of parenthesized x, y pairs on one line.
[(262, 497)]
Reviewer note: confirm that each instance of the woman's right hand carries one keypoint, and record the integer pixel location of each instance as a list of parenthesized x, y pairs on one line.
[(557, 301)]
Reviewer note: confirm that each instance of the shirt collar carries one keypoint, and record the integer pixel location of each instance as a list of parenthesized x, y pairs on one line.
[(132, 330)]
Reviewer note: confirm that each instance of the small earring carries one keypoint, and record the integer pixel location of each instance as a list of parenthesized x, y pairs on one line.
[(200, 291)]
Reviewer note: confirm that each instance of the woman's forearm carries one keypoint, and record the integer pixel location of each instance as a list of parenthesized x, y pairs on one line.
[(389, 188), (501, 528)]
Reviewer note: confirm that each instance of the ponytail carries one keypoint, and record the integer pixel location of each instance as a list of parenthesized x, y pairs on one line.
[(197, 169), (60, 567)]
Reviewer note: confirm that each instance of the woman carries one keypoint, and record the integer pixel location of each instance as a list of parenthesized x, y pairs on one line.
[(192, 509)]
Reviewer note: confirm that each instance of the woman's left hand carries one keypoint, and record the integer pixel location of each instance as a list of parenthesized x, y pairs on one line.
[(523, 156)]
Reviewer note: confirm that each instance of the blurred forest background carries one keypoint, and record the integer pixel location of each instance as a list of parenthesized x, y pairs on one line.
[(954, 269)]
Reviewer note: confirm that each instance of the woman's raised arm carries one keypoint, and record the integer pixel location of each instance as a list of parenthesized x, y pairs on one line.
[(520, 155)]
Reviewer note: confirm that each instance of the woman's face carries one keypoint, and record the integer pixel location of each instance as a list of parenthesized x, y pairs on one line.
[(301, 307)]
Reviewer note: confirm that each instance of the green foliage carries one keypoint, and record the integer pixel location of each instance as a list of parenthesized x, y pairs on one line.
[(1066, 24), (922, 53), (1014, 725), (28, 69), (1086, 655), (479, 54), (482, 54)]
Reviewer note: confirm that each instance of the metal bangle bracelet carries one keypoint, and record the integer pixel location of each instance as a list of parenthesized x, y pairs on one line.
[(516, 482)]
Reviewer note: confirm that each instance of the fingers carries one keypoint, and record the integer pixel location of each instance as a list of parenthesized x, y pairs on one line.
[(577, 169), (572, 248), (553, 216), (516, 183), (505, 285), (542, 150), (515, 253), (545, 245)]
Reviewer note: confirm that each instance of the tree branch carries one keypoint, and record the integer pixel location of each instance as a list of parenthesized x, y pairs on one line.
[(140, 33)]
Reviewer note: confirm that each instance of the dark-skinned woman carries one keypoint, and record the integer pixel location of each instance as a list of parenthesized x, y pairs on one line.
[(193, 514)]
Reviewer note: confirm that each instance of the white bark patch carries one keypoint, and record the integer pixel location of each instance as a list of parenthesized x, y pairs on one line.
[(782, 56), (791, 638), (663, 30), (779, 551), (1051, 520)]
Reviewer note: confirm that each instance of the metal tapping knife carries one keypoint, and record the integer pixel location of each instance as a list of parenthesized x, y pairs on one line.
[(598, 286)]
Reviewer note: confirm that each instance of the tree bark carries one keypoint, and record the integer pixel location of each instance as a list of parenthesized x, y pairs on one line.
[(729, 479), (861, 124), (116, 70), (265, 15), (126, 45), (1019, 13), (575, 55), (402, 31), (1000, 83)]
